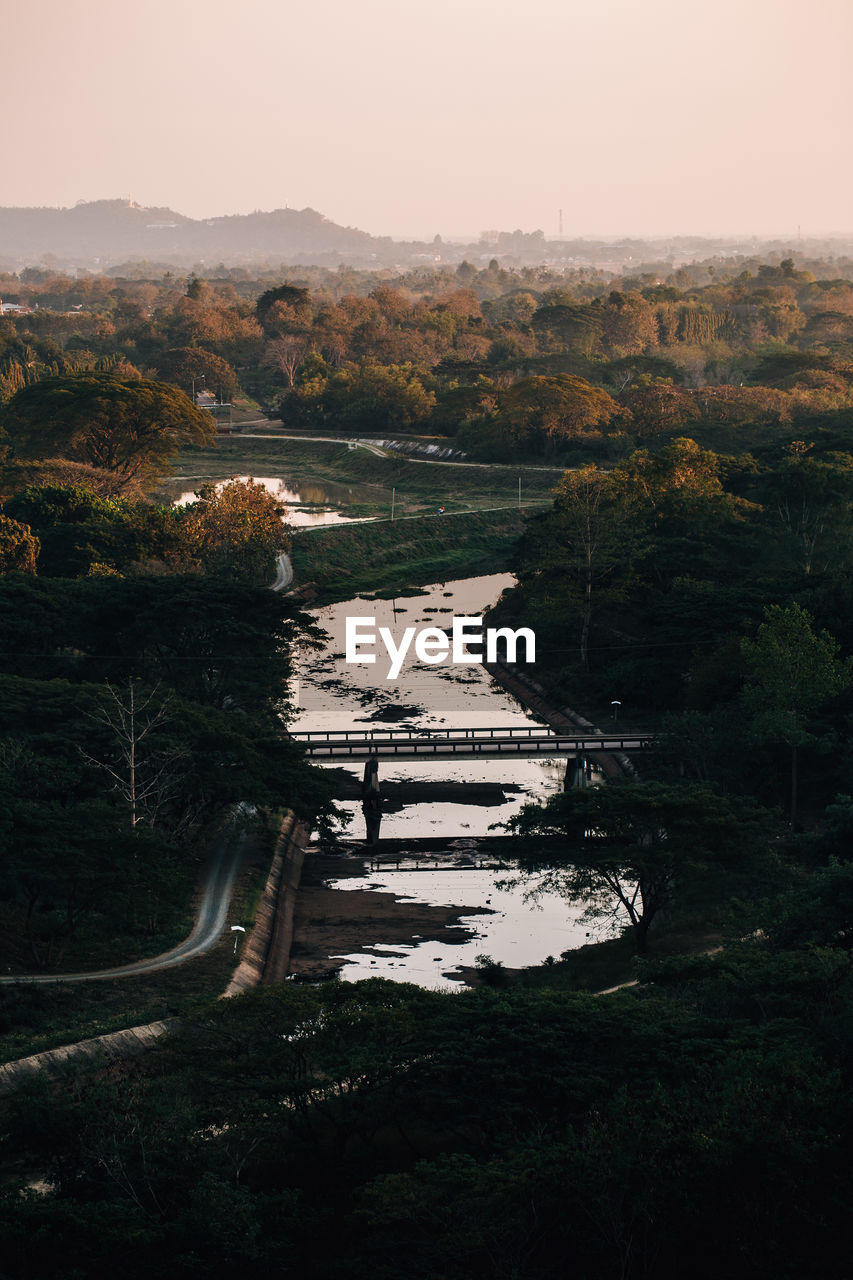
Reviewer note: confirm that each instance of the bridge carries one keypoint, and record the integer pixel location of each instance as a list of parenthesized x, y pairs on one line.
[(445, 744)]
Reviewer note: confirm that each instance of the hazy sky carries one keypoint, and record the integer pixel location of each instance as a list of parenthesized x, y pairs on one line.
[(411, 118)]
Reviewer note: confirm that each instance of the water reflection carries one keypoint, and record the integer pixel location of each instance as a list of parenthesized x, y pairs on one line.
[(307, 504), (332, 694), (516, 932)]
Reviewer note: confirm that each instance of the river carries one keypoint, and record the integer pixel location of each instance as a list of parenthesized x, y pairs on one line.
[(451, 802)]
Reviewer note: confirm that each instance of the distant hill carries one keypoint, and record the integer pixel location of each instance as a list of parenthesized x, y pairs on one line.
[(102, 232)]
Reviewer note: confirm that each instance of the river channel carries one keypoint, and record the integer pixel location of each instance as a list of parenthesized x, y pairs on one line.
[(450, 803)]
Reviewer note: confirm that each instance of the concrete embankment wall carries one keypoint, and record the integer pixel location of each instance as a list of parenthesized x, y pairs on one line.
[(56, 1063), (513, 678), (266, 957)]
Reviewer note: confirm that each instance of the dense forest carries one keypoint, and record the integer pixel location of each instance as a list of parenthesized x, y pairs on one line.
[(691, 570), (512, 364)]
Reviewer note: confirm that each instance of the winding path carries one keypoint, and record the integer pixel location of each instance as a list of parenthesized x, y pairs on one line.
[(284, 572), (210, 918)]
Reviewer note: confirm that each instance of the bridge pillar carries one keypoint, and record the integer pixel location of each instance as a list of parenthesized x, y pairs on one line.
[(370, 780), (371, 800), (577, 773)]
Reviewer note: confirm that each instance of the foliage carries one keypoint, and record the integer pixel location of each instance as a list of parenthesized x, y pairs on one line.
[(235, 530), (628, 848), (130, 428), (364, 1129), (19, 548), (793, 671)]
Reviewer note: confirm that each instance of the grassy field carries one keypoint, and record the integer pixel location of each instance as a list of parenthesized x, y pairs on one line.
[(419, 486), (390, 556)]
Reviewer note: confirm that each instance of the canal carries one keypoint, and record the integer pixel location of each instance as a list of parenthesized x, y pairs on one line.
[(459, 909)]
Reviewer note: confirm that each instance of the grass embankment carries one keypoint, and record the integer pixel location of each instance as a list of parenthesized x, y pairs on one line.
[(391, 556), (34, 1018), (418, 485)]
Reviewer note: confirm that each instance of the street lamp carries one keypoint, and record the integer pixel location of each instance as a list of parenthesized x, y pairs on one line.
[(201, 378), (615, 704), (235, 929)]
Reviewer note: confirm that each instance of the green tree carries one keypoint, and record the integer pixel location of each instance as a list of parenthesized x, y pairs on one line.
[(630, 848), (183, 365), (794, 671), (19, 548), (556, 409), (658, 405), (283, 306), (581, 552), (130, 428), (812, 500)]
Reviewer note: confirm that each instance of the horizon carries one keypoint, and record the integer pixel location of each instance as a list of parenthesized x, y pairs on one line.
[(412, 124), (787, 236)]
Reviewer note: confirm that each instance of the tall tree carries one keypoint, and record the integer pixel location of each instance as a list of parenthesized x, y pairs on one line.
[(585, 547), (141, 773), (628, 848), (236, 529), (130, 428), (794, 671), (812, 499)]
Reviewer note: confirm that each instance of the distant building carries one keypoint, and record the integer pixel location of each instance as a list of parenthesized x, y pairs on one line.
[(221, 413)]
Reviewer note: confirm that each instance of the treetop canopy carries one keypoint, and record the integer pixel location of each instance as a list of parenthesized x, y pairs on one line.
[(131, 428)]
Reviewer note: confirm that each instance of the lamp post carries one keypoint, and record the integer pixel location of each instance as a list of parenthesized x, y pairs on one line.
[(615, 704), (201, 378)]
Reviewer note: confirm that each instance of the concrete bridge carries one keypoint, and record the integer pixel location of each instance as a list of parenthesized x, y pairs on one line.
[(477, 743)]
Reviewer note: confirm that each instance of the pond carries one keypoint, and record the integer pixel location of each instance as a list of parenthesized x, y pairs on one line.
[(308, 504)]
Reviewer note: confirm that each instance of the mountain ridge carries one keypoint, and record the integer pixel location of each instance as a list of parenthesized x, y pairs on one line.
[(101, 232)]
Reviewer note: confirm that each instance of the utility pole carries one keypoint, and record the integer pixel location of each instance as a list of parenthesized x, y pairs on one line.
[(393, 497), (519, 493)]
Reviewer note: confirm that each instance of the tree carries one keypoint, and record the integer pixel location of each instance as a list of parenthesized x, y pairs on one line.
[(235, 530), (812, 499), (559, 408), (657, 405), (794, 671), (631, 847), (19, 547), (285, 304), (585, 546), (137, 769), (286, 353), (629, 324), (181, 365), (130, 428)]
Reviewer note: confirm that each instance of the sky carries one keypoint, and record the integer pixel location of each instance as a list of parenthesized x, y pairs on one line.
[(415, 119)]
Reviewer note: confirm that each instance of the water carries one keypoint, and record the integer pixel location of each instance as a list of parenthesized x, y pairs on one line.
[(516, 932), (332, 694), (308, 504)]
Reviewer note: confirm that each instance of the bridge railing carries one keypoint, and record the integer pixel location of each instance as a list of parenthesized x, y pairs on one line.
[(461, 734)]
